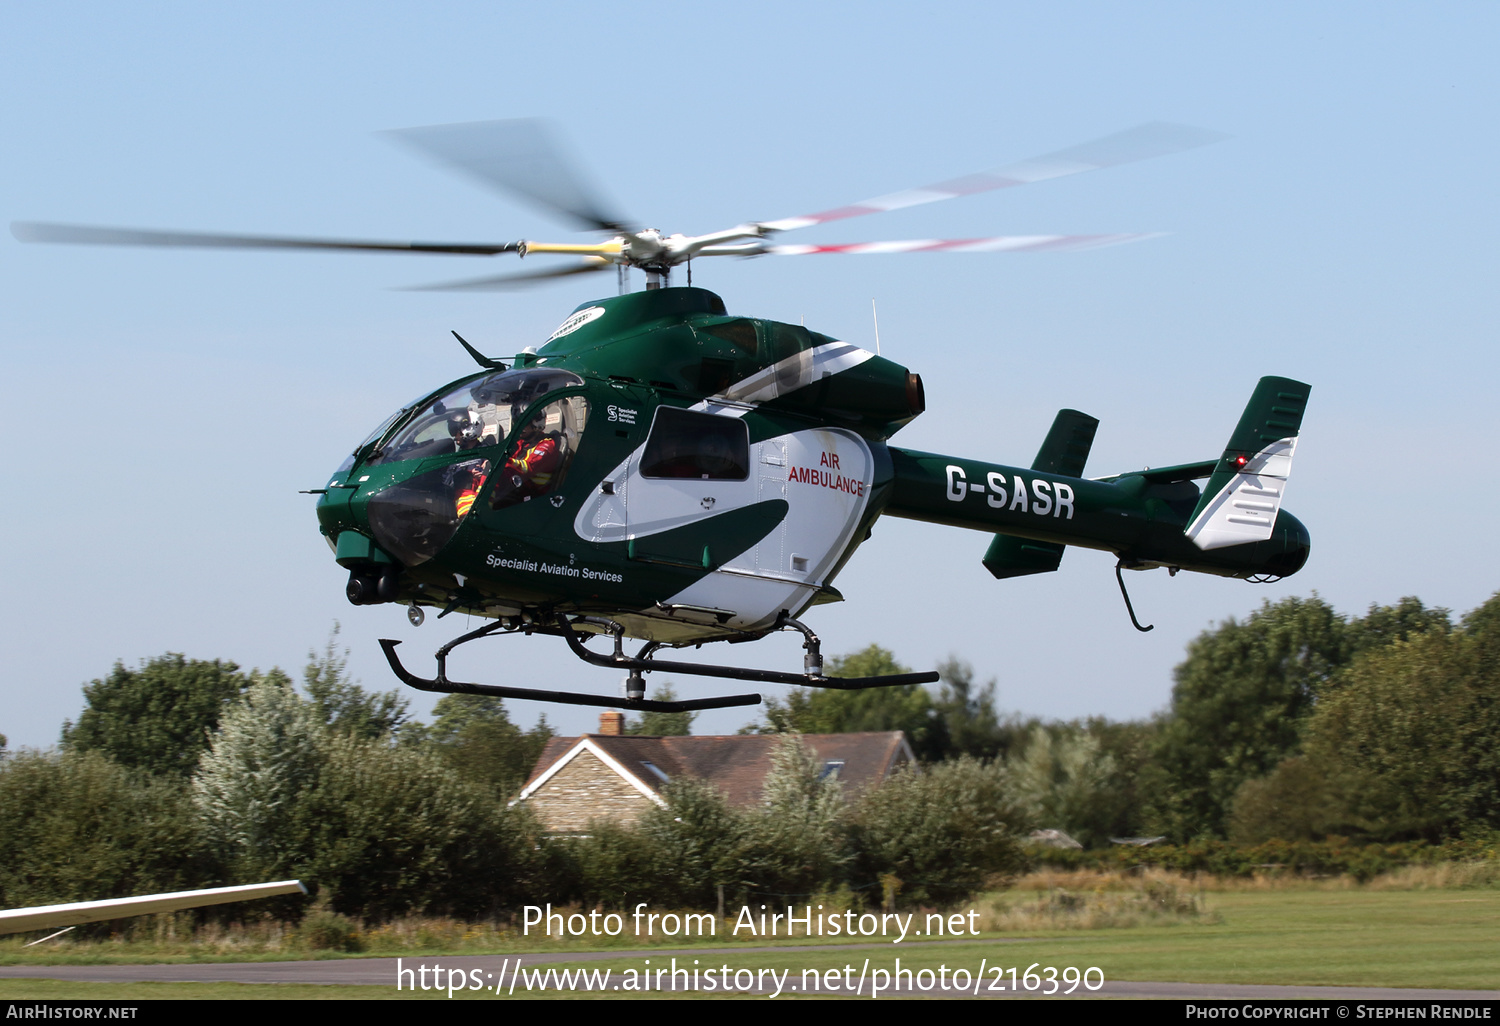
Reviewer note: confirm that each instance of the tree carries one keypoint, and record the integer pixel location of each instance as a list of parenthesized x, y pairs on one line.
[(1383, 625), (158, 717), (1244, 695), (378, 829), (613, 866), (908, 707), (1295, 802), (970, 724), (697, 843), (663, 724), (77, 826), (941, 832), (1409, 742), (1238, 705), (795, 842), (1483, 624), (1063, 779), (266, 755), (1407, 746), (453, 714), (1136, 778), (342, 705), (475, 736), (387, 831)]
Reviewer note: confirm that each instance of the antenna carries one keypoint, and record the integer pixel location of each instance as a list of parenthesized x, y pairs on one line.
[(876, 318)]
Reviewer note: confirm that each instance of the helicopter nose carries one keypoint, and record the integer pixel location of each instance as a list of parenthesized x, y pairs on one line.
[(373, 573), (414, 519)]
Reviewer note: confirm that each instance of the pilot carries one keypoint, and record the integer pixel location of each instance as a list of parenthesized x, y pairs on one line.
[(465, 429)]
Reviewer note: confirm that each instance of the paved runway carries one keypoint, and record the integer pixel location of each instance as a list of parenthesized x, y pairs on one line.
[(496, 972)]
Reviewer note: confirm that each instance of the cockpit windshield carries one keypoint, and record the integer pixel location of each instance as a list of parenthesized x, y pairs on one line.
[(476, 413)]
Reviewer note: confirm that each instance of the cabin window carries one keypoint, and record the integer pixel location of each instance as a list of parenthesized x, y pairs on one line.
[(696, 446), (740, 334), (715, 376), (783, 340)]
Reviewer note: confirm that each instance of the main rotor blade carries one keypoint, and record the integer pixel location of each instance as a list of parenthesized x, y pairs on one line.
[(506, 282), (996, 244), (521, 157), (34, 231), (1156, 139)]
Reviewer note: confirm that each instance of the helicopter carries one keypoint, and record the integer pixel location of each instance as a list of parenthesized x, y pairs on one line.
[(661, 470)]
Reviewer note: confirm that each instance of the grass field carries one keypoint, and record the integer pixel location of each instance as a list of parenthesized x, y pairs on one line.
[(1423, 932)]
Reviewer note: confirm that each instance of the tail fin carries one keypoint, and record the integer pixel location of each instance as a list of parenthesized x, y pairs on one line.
[(1243, 495), (1064, 452), (1066, 447)]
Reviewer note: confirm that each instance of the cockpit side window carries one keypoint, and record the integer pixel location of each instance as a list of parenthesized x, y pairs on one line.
[(703, 446), (538, 459), (475, 414)]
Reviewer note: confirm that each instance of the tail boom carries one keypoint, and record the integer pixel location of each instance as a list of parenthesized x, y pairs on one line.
[(1140, 519)]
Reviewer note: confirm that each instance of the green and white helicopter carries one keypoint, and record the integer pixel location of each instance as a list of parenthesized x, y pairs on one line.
[(662, 470)]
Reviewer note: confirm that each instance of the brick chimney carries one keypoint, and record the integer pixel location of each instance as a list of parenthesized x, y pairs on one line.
[(612, 723)]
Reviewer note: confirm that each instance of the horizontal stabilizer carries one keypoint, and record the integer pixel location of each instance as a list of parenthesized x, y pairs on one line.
[(1167, 475), (1244, 493), (1181, 472), (1009, 556)]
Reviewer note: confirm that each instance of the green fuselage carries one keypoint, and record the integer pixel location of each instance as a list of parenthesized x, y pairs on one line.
[(562, 486)]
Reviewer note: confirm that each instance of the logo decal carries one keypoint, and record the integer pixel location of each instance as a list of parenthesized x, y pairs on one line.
[(577, 321), (622, 414), (532, 566)]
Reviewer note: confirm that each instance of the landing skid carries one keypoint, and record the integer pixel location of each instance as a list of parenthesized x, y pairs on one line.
[(453, 687), (642, 663)]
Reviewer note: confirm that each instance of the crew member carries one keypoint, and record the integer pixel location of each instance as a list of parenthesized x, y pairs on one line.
[(536, 460)]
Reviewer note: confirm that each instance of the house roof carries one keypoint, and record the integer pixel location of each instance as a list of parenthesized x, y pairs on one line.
[(737, 763)]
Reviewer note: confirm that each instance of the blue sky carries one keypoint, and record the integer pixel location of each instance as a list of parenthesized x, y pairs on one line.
[(163, 408)]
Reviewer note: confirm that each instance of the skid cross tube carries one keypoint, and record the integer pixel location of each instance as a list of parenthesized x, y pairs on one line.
[(443, 685), (620, 661)]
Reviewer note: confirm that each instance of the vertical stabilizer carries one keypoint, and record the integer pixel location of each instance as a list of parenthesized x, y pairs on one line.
[(1066, 447), (1243, 495), (1064, 452)]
